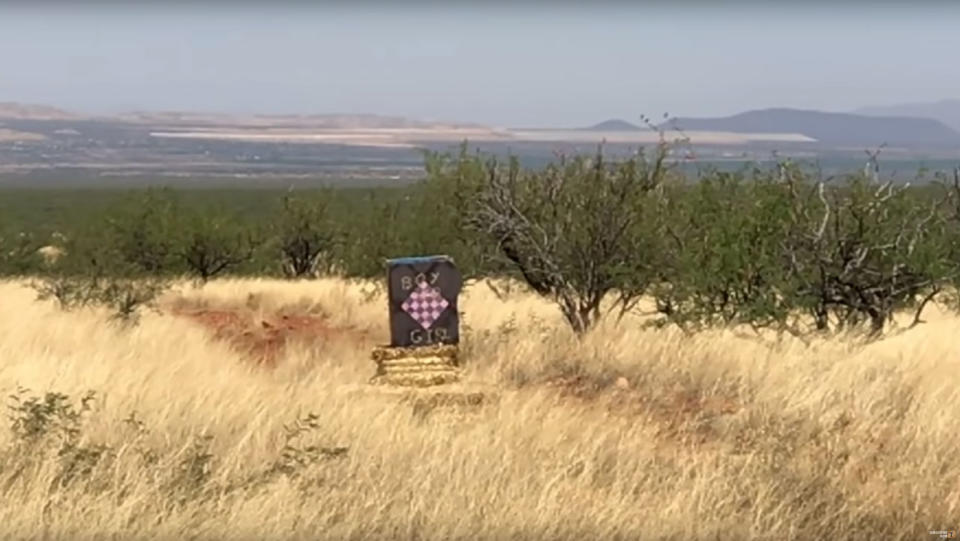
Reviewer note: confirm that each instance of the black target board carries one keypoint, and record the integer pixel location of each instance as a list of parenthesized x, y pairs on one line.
[(423, 295)]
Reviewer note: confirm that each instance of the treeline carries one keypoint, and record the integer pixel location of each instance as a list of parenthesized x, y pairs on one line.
[(776, 247)]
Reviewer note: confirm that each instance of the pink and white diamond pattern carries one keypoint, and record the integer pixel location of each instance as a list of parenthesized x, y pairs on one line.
[(425, 305)]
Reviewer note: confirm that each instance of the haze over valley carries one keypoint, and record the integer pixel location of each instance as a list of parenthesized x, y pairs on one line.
[(352, 95), (43, 141)]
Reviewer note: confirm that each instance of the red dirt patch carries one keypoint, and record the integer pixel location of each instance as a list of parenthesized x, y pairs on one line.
[(264, 339)]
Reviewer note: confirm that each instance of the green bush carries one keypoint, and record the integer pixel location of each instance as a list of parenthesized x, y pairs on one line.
[(141, 233), (720, 261), (122, 262), (304, 236), (575, 231), (212, 243), (18, 253), (773, 248)]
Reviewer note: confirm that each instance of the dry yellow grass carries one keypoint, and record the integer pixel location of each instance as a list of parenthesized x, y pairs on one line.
[(716, 437)]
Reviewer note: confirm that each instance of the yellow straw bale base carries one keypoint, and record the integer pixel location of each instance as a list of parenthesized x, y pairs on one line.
[(416, 367), (388, 353)]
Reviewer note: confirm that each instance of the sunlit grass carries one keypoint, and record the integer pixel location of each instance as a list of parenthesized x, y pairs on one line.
[(714, 435)]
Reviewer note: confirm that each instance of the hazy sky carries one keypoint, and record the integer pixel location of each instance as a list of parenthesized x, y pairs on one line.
[(496, 64)]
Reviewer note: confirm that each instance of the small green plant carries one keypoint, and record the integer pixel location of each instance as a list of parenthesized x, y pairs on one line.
[(80, 461), (125, 298), (68, 291), (296, 455), (33, 418), (138, 428), (195, 466), (53, 422)]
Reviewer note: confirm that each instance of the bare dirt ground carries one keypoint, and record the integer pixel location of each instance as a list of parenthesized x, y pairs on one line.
[(264, 338)]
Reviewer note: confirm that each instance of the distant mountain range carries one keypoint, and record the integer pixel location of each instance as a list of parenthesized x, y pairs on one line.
[(28, 111), (870, 129), (933, 126), (946, 111), (25, 111), (834, 129), (614, 124)]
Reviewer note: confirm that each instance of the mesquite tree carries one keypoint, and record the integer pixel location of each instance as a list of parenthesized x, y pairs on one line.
[(789, 251), (858, 252), (575, 231), (214, 243), (719, 263), (305, 236)]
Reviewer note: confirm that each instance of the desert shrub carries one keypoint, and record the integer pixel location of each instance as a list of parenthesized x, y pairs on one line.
[(775, 248), (297, 454), (125, 298), (947, 245), (50, 429), (860, 252), (50, 426), (446, 204), (17, 249), (373, 231), (575, 231), (141, 232), (211, 243), (98, 270), (19, 254), (305, 235), (33, 418), (783, 249), (721, 261), (427, 218)]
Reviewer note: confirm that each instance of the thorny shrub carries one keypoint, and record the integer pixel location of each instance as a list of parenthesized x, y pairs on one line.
[(51, 428), (777, 248)]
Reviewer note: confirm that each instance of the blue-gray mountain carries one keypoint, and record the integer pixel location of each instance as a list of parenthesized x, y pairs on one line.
[(614, 124), (833, 129), (946, 111)]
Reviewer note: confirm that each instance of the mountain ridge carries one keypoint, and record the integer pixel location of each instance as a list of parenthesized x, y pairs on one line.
[(829, 128), (945, 110), (33, 111), (613, 124), (27, 111), (834, 129)]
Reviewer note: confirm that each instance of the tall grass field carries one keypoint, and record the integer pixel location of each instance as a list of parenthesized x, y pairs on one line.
[(169, 430)]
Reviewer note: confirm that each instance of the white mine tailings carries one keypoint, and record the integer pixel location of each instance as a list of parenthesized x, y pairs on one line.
[(408, 137)]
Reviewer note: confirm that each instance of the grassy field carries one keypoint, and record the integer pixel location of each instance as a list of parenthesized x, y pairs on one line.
[(631, 433)]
